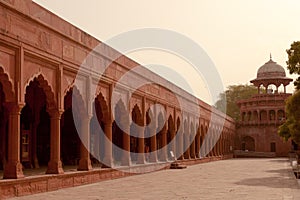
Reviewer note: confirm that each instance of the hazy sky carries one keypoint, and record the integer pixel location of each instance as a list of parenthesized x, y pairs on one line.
[(238, 35)]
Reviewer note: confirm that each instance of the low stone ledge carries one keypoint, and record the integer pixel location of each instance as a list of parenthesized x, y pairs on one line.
[(50, 182)]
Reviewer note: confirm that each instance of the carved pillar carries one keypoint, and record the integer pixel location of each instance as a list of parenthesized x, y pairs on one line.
[(217, 144), (198, 145), (108, 158), (141, 146), (284, 89), (163, 150), (193, 146), (224, 144), (153, 149), (221, 144), (204, 143), (55, 164), (13, 168), (96, 139), (187, 145), (173, 141), (180, 142), (213, 150), (210, 147), (85, 161), (126, 161)]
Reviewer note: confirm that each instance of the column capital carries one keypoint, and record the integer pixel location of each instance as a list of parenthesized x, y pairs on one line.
[(55, 114), (14, 107)]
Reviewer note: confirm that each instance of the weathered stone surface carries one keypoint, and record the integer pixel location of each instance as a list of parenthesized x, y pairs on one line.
[(226, 179)]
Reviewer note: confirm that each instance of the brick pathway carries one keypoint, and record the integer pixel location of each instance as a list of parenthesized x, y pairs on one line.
[(227, 179)]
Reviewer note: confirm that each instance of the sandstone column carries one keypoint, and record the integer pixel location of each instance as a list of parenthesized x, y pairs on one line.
[(198, 146), (141, 146), (173, 142), (180, 142), (187, 145), (163, 150), (85, 161), (55, 165), (221, 144), (126, 161), (13, 168), (108, 158), (193, 146), (153, 149)]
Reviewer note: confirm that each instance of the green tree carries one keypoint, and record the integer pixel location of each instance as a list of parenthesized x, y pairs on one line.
[(293, 63), (291, 128), (231, 96)]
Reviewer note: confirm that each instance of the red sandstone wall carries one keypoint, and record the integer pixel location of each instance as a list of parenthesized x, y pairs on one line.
[(263, 136)]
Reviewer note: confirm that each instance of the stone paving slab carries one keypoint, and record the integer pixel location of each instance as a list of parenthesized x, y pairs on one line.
[(226, 179)]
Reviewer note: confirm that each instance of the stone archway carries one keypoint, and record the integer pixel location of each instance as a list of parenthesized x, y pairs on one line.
[(170, 137), (135, 142), (179, 139), (70, 140), (3, 129), (35, 123), (120, 135), (99, 121), (248, 143), (192, 137), (147, 135), (186, 140), (197, 142), (161, 137)]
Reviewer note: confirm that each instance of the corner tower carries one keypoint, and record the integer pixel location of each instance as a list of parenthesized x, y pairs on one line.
[(262, 114)]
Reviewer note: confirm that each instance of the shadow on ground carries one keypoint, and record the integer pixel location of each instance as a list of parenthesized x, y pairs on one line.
[(272, 182), (280, 160)]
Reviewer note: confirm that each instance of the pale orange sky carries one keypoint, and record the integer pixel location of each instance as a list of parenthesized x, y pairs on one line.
[(238, 35)]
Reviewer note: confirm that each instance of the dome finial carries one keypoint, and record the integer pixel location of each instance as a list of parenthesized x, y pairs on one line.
[(270, 56)]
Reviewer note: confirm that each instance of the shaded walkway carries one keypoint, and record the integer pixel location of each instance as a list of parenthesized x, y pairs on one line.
[(226, 179)]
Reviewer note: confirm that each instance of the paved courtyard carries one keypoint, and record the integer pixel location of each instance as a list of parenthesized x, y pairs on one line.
[(227, 179)]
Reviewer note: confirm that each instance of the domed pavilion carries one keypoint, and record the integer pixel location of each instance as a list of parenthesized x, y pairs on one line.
[(264, 112)]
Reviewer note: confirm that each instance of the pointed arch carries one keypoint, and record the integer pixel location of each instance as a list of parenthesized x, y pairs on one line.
[(160, 121), (186, 139), (100, 119), (100, 101), (147, 133), (3, 129), (137, 116), (74, 98), (170, 136), (248, 143), (136, 141), (70, 120), (43, 83), (120, 112), (191, 141), (192, 129), (178, 124), (149, 117), (197, 141), (7, 86), (69, 87), (171, 123), (202, 131), (35, 122)]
